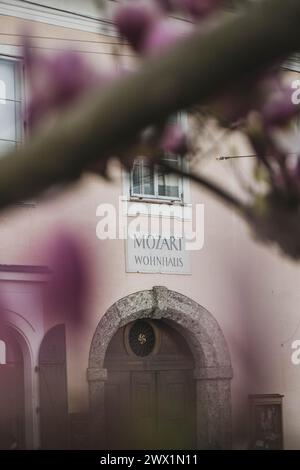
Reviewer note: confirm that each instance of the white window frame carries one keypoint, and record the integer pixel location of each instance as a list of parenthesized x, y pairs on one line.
[(182, 118), (14, 54), (20, 130), (157, 196)]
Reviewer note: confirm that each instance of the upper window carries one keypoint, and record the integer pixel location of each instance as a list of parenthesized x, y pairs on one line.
[(152, 181), (148, 181), (10, 104)]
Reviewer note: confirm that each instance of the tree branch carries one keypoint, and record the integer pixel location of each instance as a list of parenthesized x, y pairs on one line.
[(212, 187), (195, 70)]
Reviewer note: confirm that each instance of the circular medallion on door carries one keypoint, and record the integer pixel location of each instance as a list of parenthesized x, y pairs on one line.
[(141, 338)]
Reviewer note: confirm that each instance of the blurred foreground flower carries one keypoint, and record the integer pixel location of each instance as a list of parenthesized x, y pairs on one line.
[(134, 20), (58, 80), (163, 34), (260, 107), (200, 8), (147, 28), (66, 291), (174, 139), (277, 220), (279, 108)]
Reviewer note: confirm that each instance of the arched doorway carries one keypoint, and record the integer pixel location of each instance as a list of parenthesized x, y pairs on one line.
[(212, 371), (150, 388), (12, 407)]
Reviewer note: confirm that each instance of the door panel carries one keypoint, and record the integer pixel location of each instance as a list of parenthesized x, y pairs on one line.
[(53, 390), (175, 409), (143, 409), (117, 410)]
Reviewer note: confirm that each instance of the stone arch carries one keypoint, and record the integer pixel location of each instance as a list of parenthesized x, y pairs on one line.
[(213, 370)]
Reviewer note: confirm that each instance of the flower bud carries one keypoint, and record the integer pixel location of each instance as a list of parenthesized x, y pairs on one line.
[(134, 20), (174, 139), (164, 34), (200, 8)]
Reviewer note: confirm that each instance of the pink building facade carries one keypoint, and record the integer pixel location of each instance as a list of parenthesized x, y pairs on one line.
[(196, 345)]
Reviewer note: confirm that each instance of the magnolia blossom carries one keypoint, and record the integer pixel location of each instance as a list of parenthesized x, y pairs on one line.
[(174, 139), (200, 8), (163, 34), (196, 8), (167, 5), (147, 27), (57, 80), (66, 291), (279, 108), (134, 20)]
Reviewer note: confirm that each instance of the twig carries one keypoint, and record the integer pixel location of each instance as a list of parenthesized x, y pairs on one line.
[(214, 188)]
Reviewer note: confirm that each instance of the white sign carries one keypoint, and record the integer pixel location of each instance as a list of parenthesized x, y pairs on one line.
[(157, 254)]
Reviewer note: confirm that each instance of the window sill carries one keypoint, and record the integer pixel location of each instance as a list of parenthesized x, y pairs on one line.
[(156, 208), (29, 204), (155, 200)]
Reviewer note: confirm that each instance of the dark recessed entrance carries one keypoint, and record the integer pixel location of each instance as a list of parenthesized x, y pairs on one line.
[(150, 389)]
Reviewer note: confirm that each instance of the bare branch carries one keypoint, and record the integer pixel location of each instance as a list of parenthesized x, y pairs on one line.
[(212, 187), (198, 68)]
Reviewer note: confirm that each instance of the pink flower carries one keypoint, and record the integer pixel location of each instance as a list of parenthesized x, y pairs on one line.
[(279, 109), (166, 5), (134, 20), (163, 34), (233, 106), (66, 292), (174, 140), (200, 8), (58, 80)]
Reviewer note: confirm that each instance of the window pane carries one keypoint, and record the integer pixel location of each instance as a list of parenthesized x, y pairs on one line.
[(142, 178), (148, 179), (136, 178), (6, 147), (172, 159), (154, 181), (8, 120), (168, 184), (7, 79), (10, 106)]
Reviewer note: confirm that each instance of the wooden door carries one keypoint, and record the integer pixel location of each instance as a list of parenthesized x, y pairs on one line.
[(150, 410), (149, 398), (53, 390)]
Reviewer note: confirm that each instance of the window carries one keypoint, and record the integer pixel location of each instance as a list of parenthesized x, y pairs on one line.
[(149, 181), (153, 182), (2, 352), (10, 104)]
